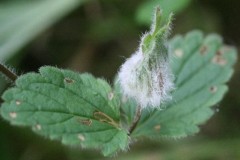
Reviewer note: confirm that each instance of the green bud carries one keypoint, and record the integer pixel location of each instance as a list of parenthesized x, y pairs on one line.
[(146, 75)]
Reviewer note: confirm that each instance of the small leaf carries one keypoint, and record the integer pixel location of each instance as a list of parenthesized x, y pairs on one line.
[(144, 11), (201, 67), (64, 105)]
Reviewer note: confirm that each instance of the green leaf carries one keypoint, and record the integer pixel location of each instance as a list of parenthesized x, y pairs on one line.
[(201, 67), (128, 107), (77, 109), (22, 21), (145, 9)]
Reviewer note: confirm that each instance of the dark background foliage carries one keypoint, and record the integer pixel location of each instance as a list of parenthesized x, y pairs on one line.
[(97, 37)]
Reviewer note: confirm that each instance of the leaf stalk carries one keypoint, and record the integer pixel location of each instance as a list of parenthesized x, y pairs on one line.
[(136, 119), (8, 73)]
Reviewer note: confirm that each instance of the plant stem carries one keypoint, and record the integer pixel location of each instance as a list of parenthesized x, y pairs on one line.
[(8, 73), (136, 119)]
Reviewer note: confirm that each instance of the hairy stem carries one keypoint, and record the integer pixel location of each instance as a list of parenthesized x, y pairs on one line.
[(136, 119), (8, 73)]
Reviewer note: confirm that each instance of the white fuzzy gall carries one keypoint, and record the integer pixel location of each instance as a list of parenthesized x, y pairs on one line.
[(146, 75)]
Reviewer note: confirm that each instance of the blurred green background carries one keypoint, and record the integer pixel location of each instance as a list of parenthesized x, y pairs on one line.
[(96, 36)]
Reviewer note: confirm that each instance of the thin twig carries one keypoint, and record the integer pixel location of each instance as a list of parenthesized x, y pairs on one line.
[(136, 119), (8, 73)]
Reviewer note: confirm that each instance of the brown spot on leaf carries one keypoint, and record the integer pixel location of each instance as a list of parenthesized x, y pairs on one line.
[(178, 53), (203, 50), (86, 122), (219, 53), (219, 59), (157, 127), (102, 117), (81, 137), (18, 102), (13, 114), (213, 89), (68, 80), (38, 127), (110, 96)]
